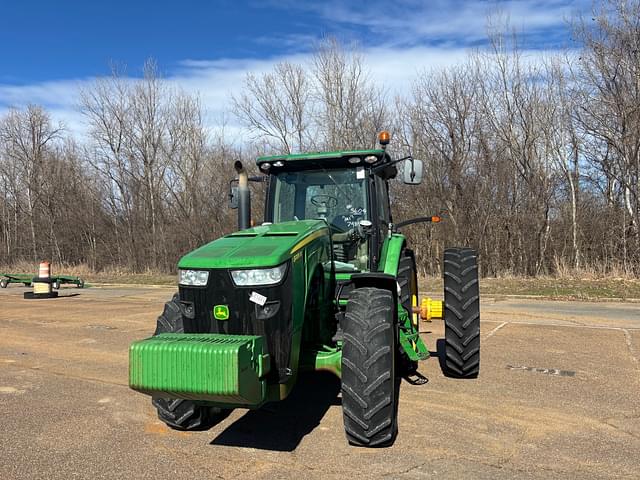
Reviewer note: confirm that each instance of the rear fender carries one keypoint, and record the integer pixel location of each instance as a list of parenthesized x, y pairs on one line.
[(391, 252), (380, 280)]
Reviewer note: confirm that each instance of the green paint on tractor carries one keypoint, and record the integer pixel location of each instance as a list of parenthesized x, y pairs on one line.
[(326, 282), (262, 246)]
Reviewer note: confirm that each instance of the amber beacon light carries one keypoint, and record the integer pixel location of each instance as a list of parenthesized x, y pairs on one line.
[(384, 138)]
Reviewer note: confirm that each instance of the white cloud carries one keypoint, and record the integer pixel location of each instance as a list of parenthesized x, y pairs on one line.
[(400, 42), (217, 80), (462, 22)]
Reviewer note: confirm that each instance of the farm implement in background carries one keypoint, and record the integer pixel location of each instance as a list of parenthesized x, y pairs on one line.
[(28, 280)]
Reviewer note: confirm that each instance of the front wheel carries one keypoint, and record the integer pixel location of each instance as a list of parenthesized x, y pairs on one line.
[(370, 386), (461, 313), (177, 413), (186, 415)]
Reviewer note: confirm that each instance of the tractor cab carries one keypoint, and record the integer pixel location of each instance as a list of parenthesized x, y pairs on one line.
[(347, 189), (340, 189)]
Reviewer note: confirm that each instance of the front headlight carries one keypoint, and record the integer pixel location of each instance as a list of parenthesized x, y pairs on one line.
[(193, 278), (259, 276)]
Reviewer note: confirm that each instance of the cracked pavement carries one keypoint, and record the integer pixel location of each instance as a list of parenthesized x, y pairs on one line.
[(67, 411)]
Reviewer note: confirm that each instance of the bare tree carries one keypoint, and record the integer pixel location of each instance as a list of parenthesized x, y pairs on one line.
[(26, 136), (350, 107), (608, 89), (275, 107)]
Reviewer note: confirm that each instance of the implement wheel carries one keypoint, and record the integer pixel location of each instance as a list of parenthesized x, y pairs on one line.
[(3, 283), (370, 386), (177, 413), (461, 313)]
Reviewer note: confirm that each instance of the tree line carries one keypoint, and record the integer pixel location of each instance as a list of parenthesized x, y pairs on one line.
[(532, 161)]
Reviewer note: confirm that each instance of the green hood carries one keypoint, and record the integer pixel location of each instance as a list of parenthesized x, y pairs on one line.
[(263, 246)]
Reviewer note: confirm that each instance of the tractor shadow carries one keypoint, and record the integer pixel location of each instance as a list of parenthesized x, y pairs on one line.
[(440, 353), (281, 426)]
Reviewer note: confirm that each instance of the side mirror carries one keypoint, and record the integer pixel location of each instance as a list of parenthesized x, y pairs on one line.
[(233, 197), (412, 171)]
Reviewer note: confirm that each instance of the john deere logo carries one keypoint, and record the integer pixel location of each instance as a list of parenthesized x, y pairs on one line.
[(221, 312)]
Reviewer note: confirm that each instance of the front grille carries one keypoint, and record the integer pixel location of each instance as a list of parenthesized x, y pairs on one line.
[(245, 317)]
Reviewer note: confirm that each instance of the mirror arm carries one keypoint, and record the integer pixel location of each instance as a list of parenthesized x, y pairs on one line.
[(382, 166), (257, 179)]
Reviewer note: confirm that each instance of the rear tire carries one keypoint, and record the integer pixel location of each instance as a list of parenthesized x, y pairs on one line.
[(370, 386), (177, 413), (461, 313), (407, 279), (408, 282)]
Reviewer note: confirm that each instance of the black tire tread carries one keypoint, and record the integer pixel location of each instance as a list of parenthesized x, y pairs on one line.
[(406, 274), (461, 313), (369, 386), (408, 282), (177, 413)]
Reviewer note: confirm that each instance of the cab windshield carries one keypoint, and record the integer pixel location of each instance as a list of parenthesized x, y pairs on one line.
[(339, 196)]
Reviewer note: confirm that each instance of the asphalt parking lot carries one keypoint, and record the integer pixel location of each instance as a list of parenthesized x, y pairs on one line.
[(557, 397)]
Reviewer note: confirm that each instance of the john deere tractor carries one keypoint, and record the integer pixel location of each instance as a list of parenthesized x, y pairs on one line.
[(326, 282)]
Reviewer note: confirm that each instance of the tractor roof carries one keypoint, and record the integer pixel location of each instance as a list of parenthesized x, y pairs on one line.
[(339, 159)]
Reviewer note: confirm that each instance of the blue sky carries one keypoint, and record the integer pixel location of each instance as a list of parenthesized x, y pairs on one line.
[(49, 49)]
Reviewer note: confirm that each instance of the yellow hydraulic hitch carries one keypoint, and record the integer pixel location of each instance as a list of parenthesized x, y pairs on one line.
[(429, 309)]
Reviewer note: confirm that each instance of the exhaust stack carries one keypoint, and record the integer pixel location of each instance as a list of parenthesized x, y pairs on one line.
[(244, 197)]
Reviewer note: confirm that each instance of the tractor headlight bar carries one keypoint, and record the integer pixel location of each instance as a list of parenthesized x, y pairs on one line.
[(193, 278), (258, 276)]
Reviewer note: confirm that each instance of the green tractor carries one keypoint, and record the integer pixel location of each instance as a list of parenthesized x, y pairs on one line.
[(327, 282)]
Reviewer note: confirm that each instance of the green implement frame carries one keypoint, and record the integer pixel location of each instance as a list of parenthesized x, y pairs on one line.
[(27, 279)]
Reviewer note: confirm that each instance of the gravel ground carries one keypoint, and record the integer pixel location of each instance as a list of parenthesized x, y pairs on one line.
[(557, 396)]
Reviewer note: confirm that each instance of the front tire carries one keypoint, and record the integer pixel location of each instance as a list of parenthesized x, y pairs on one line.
[(177, 413), (186, 415), (370, 386), (461, 313)]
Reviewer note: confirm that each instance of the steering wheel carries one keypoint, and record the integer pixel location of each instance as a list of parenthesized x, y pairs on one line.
[(324, 200)]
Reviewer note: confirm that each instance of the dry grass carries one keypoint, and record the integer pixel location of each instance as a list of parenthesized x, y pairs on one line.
[(586, 285), (579, 287)]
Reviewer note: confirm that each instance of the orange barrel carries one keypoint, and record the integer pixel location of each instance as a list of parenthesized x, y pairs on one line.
[(45, 270)]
